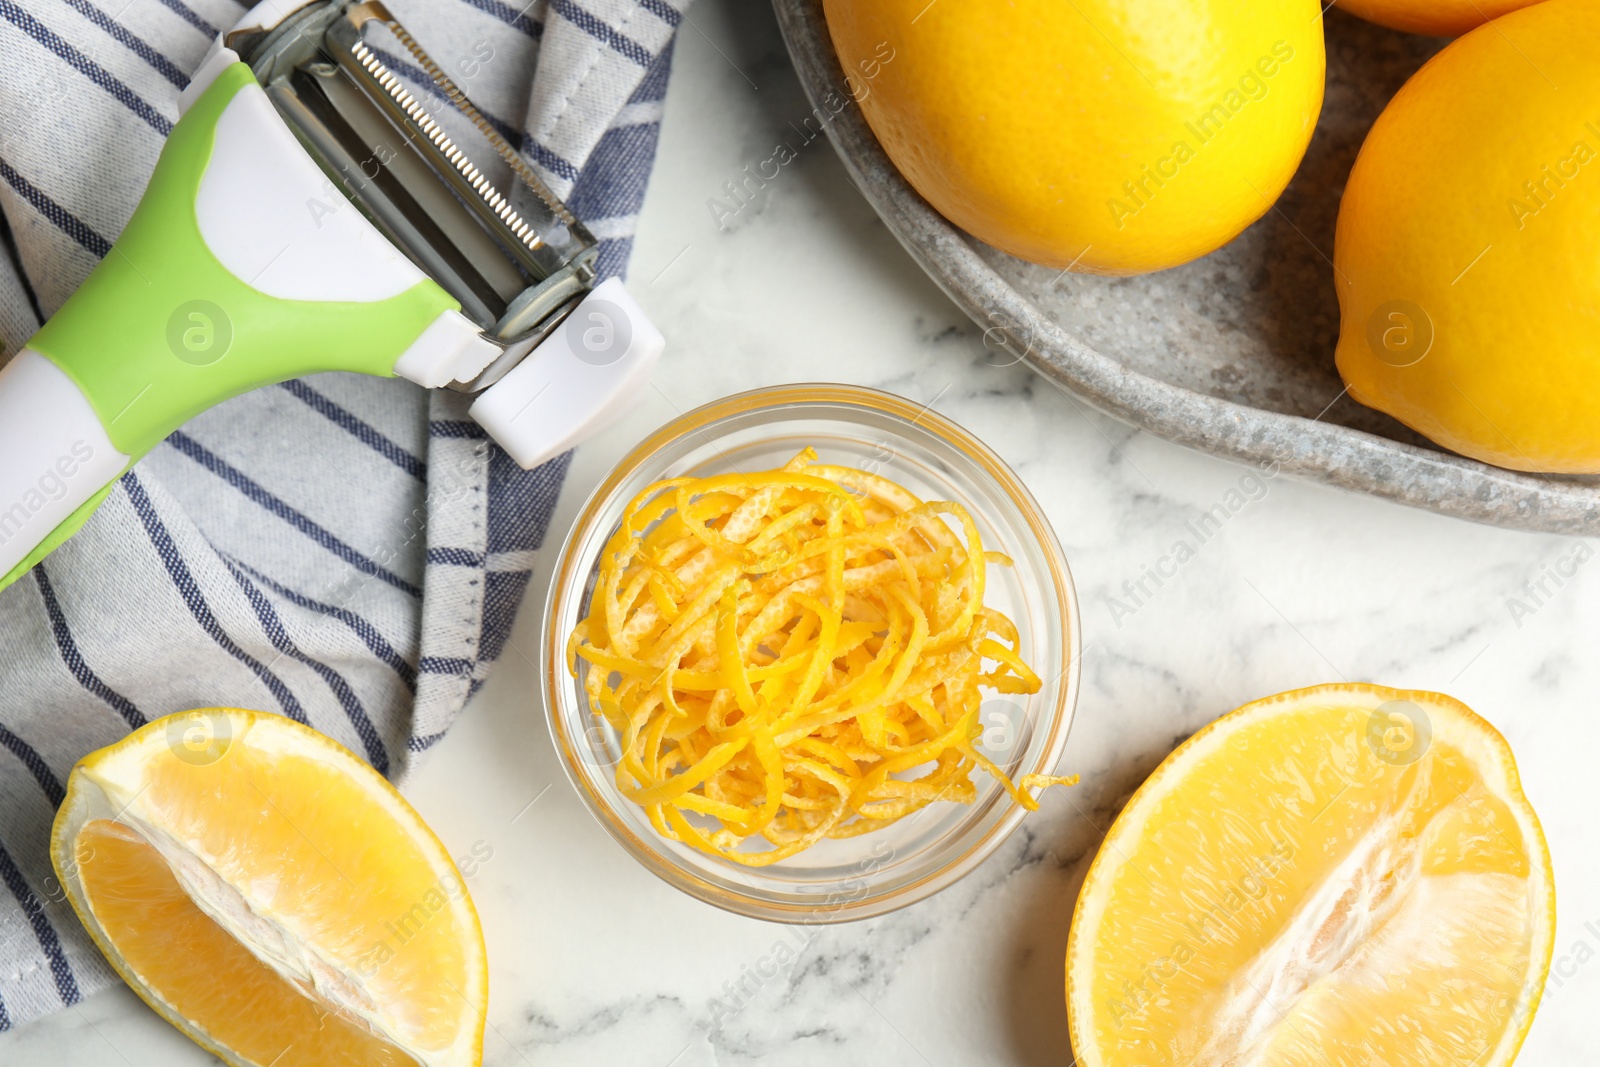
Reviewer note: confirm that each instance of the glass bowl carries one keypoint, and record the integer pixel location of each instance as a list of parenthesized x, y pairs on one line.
[(905, 861)]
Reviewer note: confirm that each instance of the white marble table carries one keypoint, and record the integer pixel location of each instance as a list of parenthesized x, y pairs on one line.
[(595, 962)]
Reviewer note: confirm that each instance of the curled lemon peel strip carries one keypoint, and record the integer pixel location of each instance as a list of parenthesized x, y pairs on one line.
[(780, 652)]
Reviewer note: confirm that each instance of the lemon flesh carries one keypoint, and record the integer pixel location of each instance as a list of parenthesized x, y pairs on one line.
[(272, 896), (1108, 136), (1469, 287), (1338, 876), (198, 969)]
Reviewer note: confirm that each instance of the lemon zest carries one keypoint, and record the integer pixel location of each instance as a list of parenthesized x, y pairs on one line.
[(794, 655)]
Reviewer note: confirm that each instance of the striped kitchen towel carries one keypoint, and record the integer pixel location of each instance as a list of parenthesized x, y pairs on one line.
[(347, 551)]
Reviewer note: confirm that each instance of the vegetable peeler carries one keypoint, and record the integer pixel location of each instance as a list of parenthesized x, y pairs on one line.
[(307, 214)]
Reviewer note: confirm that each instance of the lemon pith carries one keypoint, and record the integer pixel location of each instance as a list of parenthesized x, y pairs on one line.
[(296, 884), (1286, 891)]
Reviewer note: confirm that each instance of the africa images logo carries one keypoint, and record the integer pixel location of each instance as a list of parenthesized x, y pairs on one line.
[(1253, 86)]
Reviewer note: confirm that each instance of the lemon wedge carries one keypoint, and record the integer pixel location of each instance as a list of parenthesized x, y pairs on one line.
[(272, 896), (1332, 877)]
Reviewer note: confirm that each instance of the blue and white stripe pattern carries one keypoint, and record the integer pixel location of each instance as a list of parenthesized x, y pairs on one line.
[(346, 551)]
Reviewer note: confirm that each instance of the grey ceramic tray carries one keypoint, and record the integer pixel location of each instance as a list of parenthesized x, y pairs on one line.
[(1232, 354)]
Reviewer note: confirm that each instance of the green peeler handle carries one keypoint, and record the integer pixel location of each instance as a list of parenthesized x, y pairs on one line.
[(163, 329)]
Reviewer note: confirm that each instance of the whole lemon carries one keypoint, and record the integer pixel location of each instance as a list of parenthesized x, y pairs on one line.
[(1436, 18), (1112, 136), (1467, 256)]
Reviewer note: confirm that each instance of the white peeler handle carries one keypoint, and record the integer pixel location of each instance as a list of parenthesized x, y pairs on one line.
[(57, 458), (580, 379)]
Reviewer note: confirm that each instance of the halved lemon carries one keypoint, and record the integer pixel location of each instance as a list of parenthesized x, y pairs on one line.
[(1333, 877), (272, 896)]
